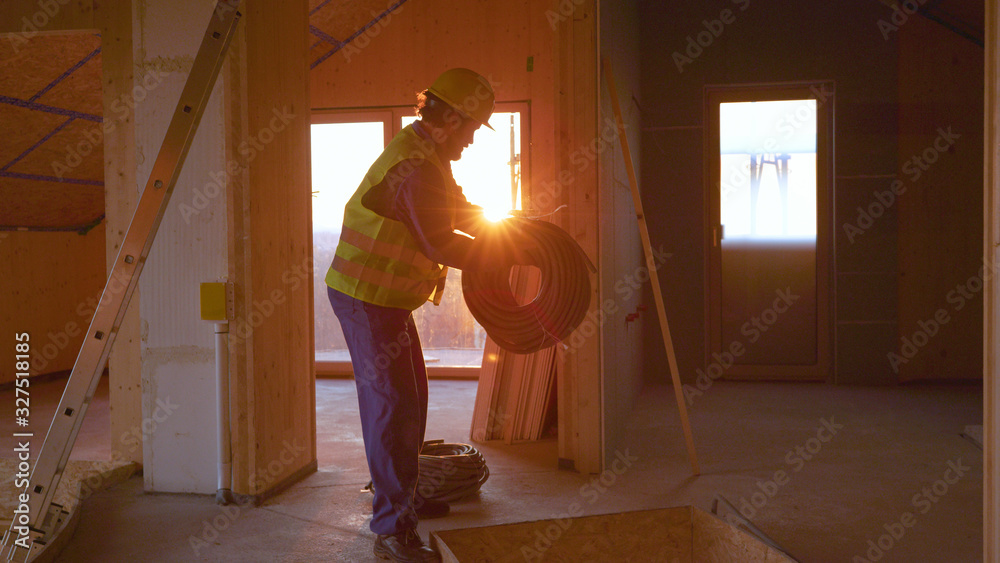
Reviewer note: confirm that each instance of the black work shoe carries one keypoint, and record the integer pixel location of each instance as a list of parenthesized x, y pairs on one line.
[(427, 509), (404, 547)]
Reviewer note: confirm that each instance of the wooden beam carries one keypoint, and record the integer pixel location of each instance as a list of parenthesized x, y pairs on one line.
[(579, 368), (991, 297), (272, 383), (24, 19), (237, 205), (120, 197)]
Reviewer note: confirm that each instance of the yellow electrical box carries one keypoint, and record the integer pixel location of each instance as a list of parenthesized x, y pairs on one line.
[(214, 301)]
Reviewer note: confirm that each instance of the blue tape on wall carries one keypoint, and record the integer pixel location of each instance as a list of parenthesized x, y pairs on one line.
[(5, 174), (326, 38), (318, 8), (65, 75), (50, 109), (38, 144)]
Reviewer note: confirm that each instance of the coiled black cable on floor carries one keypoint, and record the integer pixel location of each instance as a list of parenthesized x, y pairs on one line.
[(563, 297), (449, 472)]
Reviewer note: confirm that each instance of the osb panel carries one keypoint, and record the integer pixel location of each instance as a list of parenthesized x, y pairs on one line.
[(343, 19), (28, 203), (27, 68), (81, 90), (716, 541), (495, 39), (22, 128), (650, 535), (76, 152)]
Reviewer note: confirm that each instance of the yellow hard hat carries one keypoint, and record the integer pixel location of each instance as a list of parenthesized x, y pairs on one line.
[(467, 92)]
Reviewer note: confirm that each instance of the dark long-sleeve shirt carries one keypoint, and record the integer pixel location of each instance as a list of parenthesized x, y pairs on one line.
[(422, 205)]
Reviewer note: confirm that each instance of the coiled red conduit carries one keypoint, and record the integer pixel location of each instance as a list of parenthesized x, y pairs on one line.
[(563, 297)]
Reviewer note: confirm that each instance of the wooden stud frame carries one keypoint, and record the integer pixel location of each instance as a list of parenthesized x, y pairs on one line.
[(991, 293)]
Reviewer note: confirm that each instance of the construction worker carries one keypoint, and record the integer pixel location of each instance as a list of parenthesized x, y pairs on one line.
[(398, 239)]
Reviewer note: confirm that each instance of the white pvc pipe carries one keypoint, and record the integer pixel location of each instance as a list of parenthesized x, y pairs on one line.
[(223, 494)]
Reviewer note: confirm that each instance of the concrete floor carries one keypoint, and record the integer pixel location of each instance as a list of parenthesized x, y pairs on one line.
[(820, 469)]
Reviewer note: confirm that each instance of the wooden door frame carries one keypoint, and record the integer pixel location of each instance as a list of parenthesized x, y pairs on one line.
[(823, 92)]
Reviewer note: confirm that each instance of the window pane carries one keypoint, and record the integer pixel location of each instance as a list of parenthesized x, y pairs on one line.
[(768, 165), (341, 155)]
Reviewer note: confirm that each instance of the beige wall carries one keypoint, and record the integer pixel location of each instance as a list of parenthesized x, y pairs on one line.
[(623, 270), (941, 167)]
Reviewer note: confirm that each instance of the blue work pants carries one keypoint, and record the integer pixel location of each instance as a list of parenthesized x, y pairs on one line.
[(391, 379)]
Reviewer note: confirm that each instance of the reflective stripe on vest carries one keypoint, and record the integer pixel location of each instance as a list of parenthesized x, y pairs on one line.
[(390, 250), (382, 279)]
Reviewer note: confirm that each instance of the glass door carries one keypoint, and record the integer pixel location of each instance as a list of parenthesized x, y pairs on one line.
[(769, 171)]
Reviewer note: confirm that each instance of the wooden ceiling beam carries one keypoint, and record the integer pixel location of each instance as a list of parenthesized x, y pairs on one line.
[(24, 19)]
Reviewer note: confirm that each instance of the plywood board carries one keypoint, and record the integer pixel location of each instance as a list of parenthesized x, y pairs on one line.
[(15, 118), (44, 82), (75, 152), (679, 534), (65, 205), (53, 301), (715, 541), (651, 535), (27, 68), (80, 87), (336, 22), (51, 109)]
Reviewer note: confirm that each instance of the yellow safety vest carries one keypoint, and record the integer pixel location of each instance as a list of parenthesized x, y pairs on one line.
[(377, 259)]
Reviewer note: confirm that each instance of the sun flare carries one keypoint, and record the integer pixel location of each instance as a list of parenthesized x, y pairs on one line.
[(495, 213)]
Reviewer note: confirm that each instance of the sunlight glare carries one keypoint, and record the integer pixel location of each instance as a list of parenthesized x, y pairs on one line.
[(495, 214), (484, 171)]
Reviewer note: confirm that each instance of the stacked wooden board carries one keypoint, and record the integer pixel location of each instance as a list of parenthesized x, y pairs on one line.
[(513, 400)]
